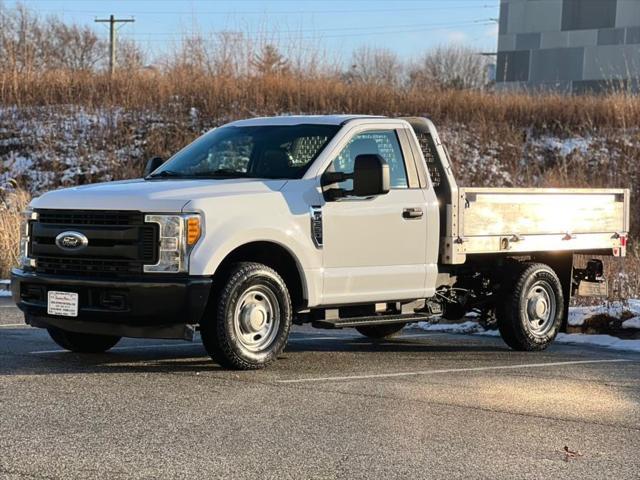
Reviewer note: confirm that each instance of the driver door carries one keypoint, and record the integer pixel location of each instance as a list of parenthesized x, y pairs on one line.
[(375, 248)]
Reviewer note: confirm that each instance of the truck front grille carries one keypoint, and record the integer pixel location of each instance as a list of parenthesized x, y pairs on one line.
[(90, 217), (120, 243)]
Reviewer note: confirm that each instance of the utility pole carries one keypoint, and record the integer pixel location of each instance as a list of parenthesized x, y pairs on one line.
[(112, 20)]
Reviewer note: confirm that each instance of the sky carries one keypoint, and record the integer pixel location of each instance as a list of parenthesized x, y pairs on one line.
[(407, 27)]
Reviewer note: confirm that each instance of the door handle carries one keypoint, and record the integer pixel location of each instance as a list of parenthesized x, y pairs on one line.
[(412, 213)]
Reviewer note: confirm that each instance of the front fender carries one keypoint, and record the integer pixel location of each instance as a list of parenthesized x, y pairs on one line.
[(230, 234)]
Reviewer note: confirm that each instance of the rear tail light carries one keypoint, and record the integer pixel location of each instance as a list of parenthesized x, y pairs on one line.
[(621, 251)]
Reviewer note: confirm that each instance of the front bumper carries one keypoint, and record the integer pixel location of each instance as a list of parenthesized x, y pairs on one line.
[(164, 307)]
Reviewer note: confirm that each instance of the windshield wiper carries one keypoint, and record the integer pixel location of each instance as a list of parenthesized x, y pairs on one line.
[(164, 174), (220, 173), (224, 173)]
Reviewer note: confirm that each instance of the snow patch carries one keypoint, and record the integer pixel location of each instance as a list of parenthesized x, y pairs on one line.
[(578, 315), (632, 323), (600, 341), (4, 288), (471, 327), (606, 341), (566, 146)]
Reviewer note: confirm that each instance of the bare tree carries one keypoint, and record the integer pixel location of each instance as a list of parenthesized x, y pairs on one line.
[(72, 47), (30, 44), (21, 35), (375, 65), (450, 66), (192, 54), (227, 53), (130, 56)]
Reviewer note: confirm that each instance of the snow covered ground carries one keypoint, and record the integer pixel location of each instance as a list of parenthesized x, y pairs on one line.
[(577, 317), (607, 341), (47, 147), (44, 148), (473, 328)]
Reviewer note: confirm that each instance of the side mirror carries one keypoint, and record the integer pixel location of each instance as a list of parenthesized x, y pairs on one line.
[(370, 176), (151, 165)]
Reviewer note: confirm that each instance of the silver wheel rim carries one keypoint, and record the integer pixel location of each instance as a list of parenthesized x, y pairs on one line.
[(256, 319), (541, 308)]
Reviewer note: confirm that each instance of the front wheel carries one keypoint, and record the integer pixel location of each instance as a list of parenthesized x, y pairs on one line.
[(530, 313), (248, 325), (82, 342)]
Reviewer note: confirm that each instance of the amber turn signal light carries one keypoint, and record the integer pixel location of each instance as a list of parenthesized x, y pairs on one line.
[(193, 230)]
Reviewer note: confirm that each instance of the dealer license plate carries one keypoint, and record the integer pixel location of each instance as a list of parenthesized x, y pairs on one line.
[(62, 303)]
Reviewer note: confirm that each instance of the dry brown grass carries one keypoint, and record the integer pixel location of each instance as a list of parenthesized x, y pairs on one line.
[(11, 207), (224, 97)]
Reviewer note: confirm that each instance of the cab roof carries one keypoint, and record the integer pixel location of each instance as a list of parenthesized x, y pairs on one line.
[(300, 120)]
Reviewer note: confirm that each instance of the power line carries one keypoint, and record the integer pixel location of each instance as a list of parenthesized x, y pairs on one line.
[(374, 28), (323, 37)]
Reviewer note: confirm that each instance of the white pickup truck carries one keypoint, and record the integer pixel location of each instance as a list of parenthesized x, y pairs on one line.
[(337, 221)]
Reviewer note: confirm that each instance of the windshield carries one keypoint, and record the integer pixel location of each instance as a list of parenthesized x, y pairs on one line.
[(282, 152)]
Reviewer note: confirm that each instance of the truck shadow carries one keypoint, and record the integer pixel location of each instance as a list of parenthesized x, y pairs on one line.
[(193, 359)]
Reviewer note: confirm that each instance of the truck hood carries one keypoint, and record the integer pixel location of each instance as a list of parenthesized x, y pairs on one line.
[(151, 196)]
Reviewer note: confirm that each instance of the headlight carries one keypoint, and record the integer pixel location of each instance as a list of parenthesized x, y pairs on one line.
[(178, 236), (25, 238)]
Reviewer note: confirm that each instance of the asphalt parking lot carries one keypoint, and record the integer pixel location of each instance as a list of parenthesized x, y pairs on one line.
[(336, 405)]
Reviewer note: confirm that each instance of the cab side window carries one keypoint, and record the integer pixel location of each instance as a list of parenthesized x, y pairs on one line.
[(380, 142)]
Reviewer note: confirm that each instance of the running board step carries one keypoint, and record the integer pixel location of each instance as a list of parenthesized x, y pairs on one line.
[(374, 320)]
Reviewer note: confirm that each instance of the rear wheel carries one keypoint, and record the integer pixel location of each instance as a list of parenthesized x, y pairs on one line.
[(82, 342), (380, 331), (530, 313), (248, 323)]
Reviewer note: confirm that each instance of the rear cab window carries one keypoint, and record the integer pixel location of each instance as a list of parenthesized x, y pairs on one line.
[(377, 142)]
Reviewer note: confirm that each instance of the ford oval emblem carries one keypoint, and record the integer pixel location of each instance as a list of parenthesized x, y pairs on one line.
[(72, 241)]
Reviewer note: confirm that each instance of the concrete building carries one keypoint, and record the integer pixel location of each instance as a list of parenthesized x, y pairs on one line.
[(569, 45)]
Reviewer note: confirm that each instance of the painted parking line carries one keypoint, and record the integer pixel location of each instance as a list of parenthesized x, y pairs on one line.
[(14, 325), (447, 370)]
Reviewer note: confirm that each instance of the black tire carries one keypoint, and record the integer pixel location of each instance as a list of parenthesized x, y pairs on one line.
[(82, 342), (229, 328), (531, 309), (379, 332)]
